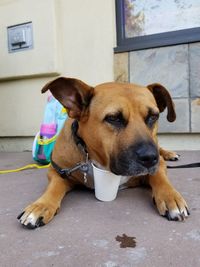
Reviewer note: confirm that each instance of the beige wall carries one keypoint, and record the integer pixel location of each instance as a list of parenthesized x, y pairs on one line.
[(75, 39), (88, 38), (43, 59)]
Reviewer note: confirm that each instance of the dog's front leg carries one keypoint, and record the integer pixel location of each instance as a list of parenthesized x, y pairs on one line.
[(43, 209), (169, 202)]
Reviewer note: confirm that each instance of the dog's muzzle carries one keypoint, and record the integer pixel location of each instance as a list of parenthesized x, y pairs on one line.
[(138, 159)]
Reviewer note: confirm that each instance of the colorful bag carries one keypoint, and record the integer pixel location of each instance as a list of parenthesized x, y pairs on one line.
[(54, 118)]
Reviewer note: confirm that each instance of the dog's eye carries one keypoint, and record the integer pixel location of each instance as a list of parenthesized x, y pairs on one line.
[(116, 120), (151, 119)]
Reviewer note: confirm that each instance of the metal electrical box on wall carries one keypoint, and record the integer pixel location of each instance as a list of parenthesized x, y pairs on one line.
[(29, 39), (20, 37)]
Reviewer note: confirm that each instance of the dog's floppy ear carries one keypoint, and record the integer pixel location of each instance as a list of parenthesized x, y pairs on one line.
[(163, 100), (73, 94)]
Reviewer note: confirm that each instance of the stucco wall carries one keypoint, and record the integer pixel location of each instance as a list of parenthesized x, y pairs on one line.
[(83, 36)]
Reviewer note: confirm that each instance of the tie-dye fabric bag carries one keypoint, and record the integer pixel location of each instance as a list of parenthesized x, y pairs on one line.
[(54, 117)]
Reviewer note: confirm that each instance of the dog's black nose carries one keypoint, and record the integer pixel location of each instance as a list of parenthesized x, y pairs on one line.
[(147, 155)]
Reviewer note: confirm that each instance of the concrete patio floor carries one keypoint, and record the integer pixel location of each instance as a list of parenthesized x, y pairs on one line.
[(83, 233)]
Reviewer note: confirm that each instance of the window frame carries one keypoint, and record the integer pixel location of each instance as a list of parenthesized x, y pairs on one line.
[(150, 41)]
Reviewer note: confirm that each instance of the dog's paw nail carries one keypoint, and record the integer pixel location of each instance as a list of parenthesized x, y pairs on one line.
[(56, 212), (28, 220), (176, 215), (32, 224), (188, 212), (29, 226), (39, 222), (175, 158), (20, 215), (167, 215)]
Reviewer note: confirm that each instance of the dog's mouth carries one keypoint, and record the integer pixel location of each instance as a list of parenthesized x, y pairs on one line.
[(137, 160), (134, 169)]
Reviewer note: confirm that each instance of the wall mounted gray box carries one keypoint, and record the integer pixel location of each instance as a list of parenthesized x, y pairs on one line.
[(20, 37)]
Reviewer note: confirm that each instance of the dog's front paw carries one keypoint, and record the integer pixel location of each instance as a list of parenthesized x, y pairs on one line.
[(37, 214), (169, 155), (171, 204)]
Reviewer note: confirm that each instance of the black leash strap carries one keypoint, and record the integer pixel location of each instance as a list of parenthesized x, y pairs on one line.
[(184, 166)]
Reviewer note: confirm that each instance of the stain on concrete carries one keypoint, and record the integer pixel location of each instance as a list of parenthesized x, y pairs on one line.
[(126, 241)]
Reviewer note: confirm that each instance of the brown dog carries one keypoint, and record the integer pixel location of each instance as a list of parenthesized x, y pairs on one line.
[(115, 125)]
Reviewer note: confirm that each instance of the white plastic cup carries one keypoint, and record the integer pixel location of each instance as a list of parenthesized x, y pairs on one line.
[(106, 184)]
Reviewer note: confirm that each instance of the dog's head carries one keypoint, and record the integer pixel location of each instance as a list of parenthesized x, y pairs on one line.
[(118, 122)]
